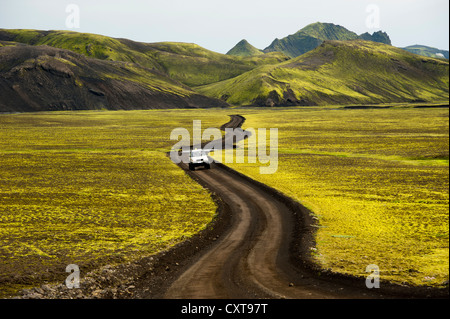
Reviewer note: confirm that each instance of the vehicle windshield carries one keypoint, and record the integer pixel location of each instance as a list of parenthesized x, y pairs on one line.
[(197, 153)]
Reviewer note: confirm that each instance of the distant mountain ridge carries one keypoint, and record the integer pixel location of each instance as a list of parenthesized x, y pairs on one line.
[(243, 48), (379, 36), (329, 31), (314, 34), (427, 51), (311, 36)]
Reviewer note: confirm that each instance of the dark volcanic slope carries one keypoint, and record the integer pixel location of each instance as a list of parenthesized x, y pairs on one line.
[(42, 78)]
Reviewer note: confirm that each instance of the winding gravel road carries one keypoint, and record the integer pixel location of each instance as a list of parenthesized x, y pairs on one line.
[(253, 258)]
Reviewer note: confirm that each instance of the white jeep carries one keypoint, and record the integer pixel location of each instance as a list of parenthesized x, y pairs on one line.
[(198, 158)]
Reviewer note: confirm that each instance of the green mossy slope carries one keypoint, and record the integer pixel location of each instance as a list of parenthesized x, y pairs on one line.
[(340, 72)]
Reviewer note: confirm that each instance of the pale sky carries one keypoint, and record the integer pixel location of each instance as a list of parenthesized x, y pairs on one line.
[(219, 25)]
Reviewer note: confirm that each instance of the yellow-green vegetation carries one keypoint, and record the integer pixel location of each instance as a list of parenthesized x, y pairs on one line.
[(92, 187), (375, 180), (92, 45)]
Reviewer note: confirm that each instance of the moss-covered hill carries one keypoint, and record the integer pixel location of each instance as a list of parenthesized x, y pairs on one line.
[(340, 72), (185, 62), (243, 48)]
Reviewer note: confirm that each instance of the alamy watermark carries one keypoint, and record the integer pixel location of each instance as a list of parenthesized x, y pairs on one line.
[(73, 280), (373, 18), (262, 145), (73, 18), (373, 280)]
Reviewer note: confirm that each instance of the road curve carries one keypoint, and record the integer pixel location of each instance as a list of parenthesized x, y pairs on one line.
[(264, 253), (243, 263)]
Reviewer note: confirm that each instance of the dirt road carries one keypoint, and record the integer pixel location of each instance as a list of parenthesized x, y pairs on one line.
[(251, 260), (265, 251)]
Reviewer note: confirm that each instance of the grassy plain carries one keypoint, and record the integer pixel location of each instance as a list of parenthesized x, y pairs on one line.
[(88, 188), (376, 181)]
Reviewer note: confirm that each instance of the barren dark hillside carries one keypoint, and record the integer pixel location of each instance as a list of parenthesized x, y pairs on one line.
[(42, 78)]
